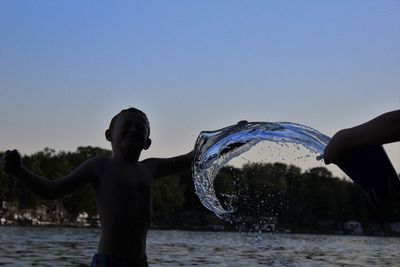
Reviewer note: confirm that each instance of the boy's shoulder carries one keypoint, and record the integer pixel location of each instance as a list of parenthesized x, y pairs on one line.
[(151, 164), (96, 162), (151, 161), (104, 161)]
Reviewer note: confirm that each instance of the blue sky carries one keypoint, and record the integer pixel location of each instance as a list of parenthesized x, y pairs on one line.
[(66, 67)]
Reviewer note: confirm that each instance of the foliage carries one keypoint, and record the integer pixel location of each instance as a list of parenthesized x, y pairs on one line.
[(168, 197), (297, 198)]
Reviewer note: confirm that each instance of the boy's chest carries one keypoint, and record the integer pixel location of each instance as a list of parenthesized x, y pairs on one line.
[(124, 194), (126, 181)]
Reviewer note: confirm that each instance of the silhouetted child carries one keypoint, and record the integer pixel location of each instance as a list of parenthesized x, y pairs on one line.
[(359, 153), (123, 187)]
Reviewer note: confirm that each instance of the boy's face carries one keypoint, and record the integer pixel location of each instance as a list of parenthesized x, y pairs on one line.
[(130, 131)]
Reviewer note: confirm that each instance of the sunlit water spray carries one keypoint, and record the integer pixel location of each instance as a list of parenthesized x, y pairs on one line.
[(226, 147)]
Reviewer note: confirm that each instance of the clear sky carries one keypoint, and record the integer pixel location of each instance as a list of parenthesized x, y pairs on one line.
[(67, 67)]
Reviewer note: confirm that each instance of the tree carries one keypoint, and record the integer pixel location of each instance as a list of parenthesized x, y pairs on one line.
[(168, 198)]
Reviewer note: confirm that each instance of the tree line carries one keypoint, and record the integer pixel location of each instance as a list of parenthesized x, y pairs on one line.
[(297, 199)]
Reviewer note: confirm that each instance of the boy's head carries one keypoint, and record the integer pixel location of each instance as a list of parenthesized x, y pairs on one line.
[(135, 110), (130, 127)]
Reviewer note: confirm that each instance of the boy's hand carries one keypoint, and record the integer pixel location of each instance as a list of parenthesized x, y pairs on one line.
[(11, 161)]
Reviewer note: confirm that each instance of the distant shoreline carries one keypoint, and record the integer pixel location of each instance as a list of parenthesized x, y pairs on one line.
[(204, 229)]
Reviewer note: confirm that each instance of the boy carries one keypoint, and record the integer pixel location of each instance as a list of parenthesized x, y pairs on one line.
[(123, 187)]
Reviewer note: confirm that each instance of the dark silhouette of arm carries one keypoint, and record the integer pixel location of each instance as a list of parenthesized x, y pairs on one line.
[(383, 129), (45, 188)]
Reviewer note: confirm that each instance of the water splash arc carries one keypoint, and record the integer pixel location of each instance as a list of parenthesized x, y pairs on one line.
[(214, 149)]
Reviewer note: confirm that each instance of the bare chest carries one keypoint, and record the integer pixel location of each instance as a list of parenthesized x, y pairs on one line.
[(125, 183)]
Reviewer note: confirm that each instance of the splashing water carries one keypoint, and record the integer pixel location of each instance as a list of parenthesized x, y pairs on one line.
[(214, 149)]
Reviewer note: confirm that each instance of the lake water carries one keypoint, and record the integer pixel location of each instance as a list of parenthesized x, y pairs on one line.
[(28, 246)]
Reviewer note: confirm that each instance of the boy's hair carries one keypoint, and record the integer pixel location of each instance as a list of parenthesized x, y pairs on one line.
[(129, 110)]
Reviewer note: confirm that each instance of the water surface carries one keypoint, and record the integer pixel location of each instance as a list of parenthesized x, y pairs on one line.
[(29, 246)]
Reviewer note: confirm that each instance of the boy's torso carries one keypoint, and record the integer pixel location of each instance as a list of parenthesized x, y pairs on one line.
[(124, 201)]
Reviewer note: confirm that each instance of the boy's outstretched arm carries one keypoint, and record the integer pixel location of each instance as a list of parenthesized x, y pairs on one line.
[(43, 187), (167, 166), (383, 129)]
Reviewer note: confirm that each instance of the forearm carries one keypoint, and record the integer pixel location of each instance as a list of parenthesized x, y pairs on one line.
[(380, 130), (173, 165), (184, 162), (37, 184)]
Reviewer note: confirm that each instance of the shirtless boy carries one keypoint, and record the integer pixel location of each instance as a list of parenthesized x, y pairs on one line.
[(123, 187)]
